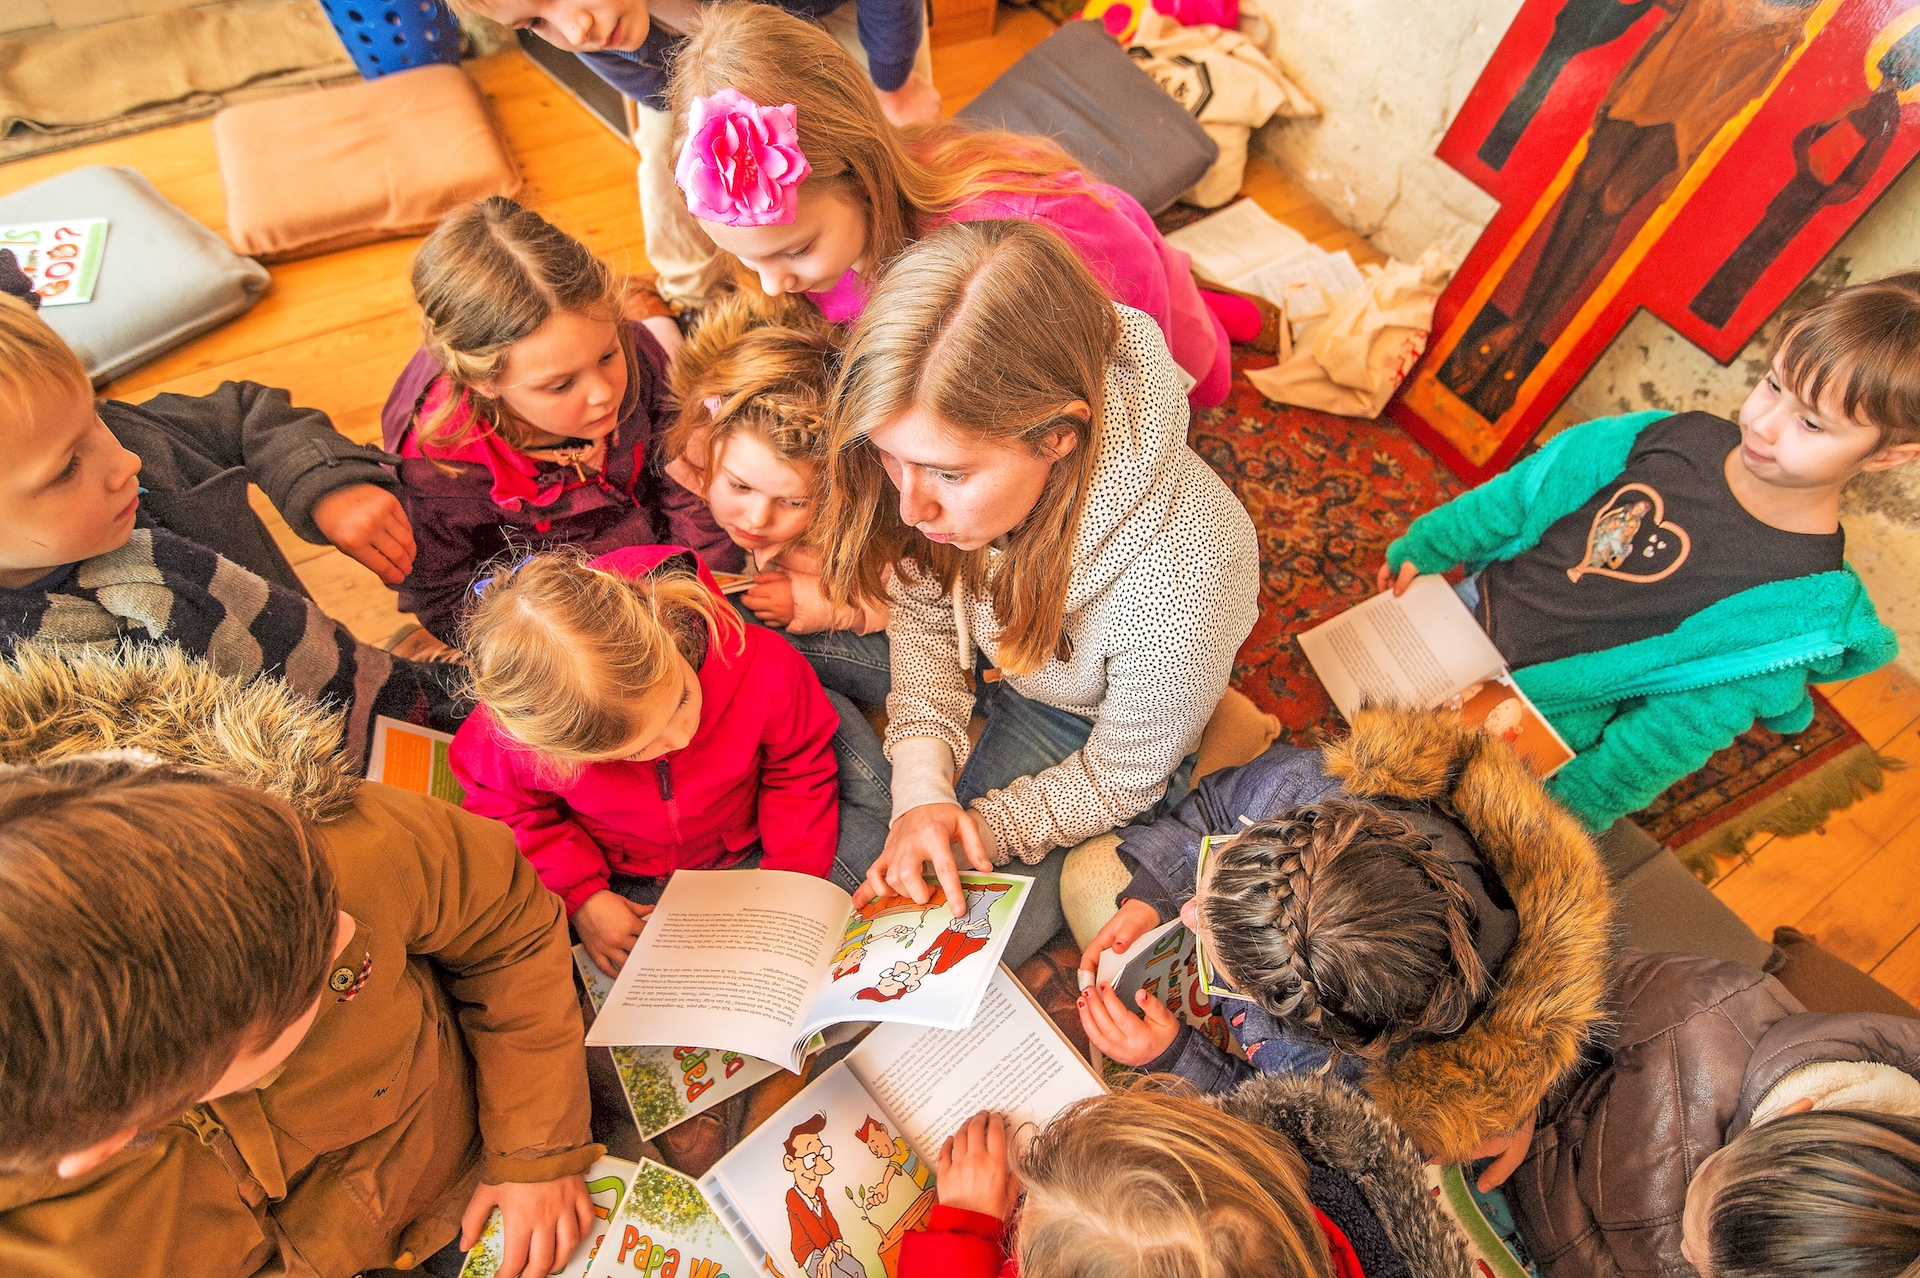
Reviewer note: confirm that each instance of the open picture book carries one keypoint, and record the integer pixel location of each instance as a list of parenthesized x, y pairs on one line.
[(831, 1184), (1165, 962), (758, 961), (1425, 651), (665, 1086)]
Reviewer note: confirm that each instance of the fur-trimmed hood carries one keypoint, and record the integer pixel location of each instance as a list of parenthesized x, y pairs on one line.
[(1337, 1127), (153, 698), (1451, 1094)]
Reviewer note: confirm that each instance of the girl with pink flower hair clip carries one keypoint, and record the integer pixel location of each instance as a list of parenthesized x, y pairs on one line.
[(789, 164)]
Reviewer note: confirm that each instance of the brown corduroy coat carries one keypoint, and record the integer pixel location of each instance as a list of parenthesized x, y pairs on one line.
[(448, 1046)]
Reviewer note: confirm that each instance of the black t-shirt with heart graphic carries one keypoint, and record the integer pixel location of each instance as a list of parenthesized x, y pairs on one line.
[(1663, 540)]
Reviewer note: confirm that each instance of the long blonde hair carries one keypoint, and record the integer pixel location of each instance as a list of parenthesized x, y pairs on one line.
[(562, 653), (767, 365), (491, 274), (1155, 1183), (900, 178), (993, 328)]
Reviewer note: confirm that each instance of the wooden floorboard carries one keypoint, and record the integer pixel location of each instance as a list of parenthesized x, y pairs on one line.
[(336, 329)]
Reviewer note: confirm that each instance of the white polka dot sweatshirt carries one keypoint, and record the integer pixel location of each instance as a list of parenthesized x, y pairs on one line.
[(1166, 574)]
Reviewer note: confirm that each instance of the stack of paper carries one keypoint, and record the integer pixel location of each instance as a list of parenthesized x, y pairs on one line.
[(1245, 248)]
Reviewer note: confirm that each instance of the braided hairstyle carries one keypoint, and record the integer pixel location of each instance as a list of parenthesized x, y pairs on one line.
[(761, 365), (1342, 917)]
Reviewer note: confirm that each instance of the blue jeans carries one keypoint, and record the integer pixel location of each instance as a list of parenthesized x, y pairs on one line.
[(1023, 737), (866, 777), (859, 667)]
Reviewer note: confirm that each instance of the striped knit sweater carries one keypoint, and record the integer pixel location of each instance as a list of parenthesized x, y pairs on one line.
[(159, 588)]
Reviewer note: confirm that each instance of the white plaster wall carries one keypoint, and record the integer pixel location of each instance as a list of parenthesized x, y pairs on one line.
[(1389, 77)]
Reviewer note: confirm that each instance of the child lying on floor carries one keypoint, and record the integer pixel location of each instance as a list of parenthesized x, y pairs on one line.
[(264, 1019), (1407, 903), (1659, 582), (198, 453), (80, 566)]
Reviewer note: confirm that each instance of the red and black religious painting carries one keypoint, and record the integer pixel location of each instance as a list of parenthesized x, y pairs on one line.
[(1695, 157)]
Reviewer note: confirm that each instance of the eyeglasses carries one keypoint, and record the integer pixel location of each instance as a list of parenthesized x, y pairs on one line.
[(1210, 984), (824, 1156)]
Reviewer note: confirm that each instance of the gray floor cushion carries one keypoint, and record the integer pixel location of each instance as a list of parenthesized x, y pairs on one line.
[(165, 278), (1079, 88)]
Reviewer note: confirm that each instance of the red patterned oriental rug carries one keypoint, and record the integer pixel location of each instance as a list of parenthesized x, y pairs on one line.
[(1328, 494)]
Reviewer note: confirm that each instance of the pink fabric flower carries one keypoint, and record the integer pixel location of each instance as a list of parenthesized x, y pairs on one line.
[(742, 164)]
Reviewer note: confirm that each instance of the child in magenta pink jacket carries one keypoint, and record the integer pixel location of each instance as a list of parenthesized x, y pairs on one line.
[(630, 725)]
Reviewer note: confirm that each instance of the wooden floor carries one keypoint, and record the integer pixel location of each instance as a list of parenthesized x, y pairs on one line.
[(335, 330)]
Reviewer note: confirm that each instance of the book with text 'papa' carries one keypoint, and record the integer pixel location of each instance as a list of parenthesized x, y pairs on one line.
[(759, 961)]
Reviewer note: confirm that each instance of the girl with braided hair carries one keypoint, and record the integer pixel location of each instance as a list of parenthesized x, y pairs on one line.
[(1405, 909), (755, 385), (531, 414)]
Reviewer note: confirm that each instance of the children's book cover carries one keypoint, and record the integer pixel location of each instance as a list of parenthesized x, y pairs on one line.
[(61, 258), (607, 1182), (665, 1229), (825, 1185), (410, 757), (666, 1086), (1164, 962)]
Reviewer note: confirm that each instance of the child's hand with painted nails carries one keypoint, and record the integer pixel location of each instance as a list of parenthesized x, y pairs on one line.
[(1118, 1033)]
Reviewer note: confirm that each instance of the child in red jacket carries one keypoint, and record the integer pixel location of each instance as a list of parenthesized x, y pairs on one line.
[(630, 725), (1293, 1176)]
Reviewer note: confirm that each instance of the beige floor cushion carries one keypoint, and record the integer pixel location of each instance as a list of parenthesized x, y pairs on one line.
[(320, 171)]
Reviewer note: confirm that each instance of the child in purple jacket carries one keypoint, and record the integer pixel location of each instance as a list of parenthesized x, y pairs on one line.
[(528, 417)]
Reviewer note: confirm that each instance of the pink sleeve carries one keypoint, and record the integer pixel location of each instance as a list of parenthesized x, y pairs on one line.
[(799, 800), (567, 859)]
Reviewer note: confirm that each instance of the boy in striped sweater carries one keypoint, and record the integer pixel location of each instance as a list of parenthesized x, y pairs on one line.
[(80, 565)]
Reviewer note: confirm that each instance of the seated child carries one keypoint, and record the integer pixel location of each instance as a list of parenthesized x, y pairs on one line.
[(853, 191), (199, 453), (1287, 1177), (79, 565), (266, 1019), (631, 725), (1659, 582), (531, 415), (755, 385), (632, 49), (1685, 1143), (1406, 903)]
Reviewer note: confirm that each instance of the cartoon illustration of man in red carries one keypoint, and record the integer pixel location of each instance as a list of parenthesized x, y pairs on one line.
[(960, 937), (816, 1243)]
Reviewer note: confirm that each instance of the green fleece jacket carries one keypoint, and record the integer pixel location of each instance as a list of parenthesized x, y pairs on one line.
[(1644, 714)]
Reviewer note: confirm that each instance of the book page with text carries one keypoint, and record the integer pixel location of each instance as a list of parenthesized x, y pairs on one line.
[(1011, 1059), (728, 957), (1414, 651), (1236, 241)]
